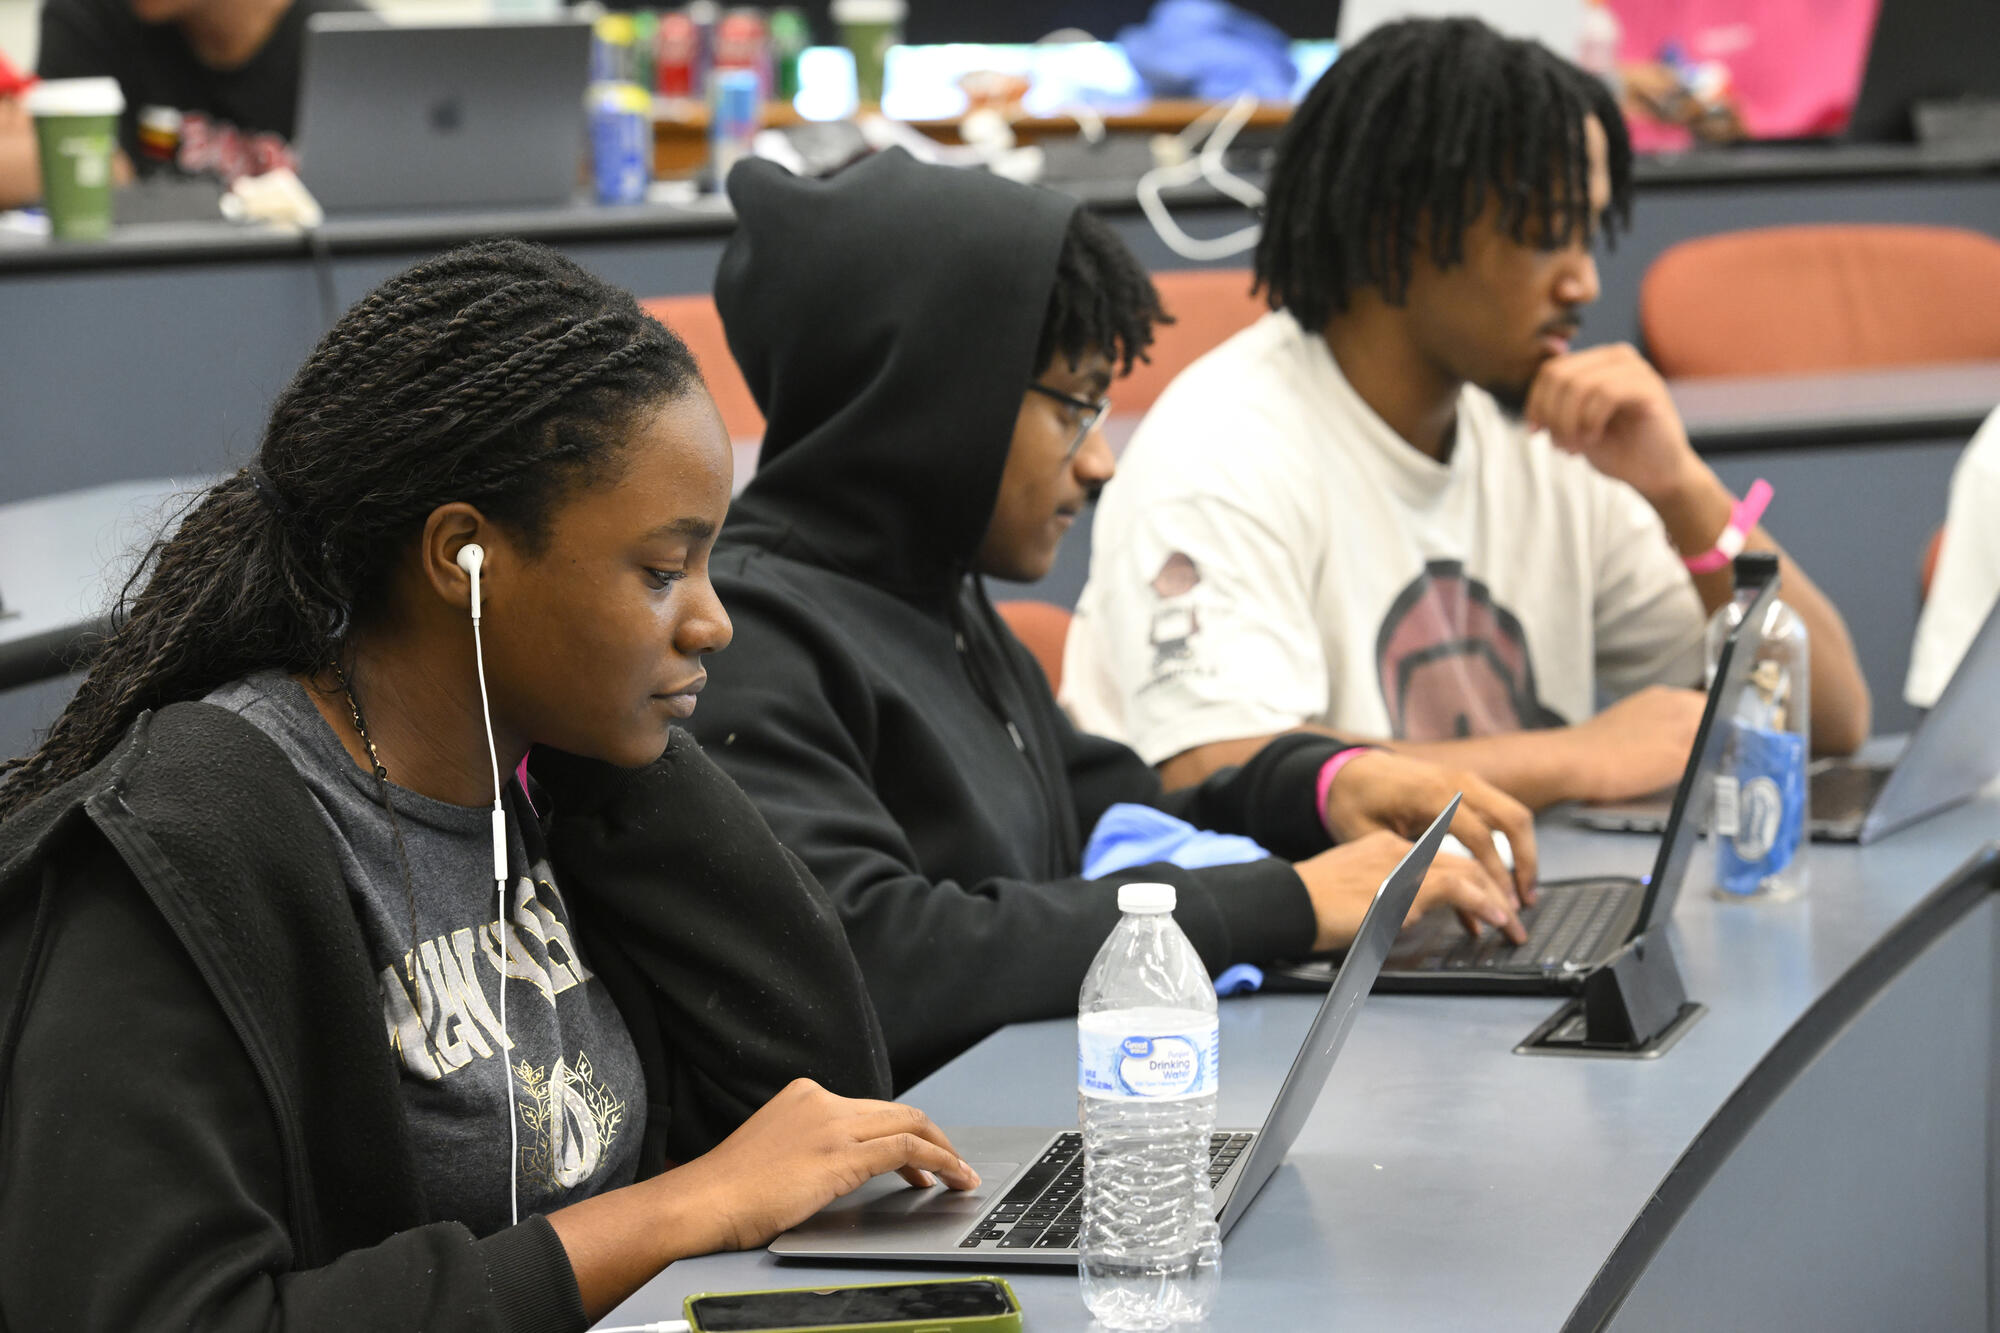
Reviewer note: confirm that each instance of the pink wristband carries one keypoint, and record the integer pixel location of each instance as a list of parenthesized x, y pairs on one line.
[(1741, 520), (1330, 770)]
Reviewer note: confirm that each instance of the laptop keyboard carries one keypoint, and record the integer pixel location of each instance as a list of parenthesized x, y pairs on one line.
[(1846, 790), (1044, 1209), (1566, 925)]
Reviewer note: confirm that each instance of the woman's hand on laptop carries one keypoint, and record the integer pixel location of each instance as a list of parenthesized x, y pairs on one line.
[(1382, 790), (1342, 882), (802, 1150)]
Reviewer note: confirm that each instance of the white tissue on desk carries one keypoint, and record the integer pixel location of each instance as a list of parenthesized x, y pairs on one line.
[(278, 196)]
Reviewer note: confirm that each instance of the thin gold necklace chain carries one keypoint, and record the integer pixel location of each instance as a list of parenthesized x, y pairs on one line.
[(360, 727)]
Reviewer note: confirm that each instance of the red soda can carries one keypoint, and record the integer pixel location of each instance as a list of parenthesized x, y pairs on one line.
[(743, 42), (676, 48)]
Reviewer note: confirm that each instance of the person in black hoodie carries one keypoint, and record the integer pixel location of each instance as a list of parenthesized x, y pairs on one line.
[(259, 1068), (929, 347)]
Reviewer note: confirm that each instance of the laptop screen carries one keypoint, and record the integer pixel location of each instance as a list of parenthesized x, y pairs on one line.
[(1335, 1018), (1691, 798)]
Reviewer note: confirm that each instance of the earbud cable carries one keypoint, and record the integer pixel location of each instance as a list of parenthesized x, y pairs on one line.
[(500, 924)]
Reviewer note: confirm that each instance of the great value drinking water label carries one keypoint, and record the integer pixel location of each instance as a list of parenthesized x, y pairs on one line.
[(1118, 1062)]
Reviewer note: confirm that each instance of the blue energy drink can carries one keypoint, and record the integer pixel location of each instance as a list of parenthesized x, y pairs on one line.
[(734, 122), (621, 142)]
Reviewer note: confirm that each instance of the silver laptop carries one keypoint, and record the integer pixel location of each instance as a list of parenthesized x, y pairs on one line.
[(441, 115), (1026, 1209), (1954, 752)]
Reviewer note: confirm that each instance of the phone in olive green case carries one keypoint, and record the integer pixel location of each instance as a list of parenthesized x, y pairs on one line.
[(938, 1305)]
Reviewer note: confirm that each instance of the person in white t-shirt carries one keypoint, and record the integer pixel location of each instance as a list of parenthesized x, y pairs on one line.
[(1966, 582), (1399, 505)]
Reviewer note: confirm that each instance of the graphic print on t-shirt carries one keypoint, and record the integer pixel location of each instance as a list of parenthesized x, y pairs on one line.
[(1453, 663), (440, 1021), (570, 1120), (1175, 619)]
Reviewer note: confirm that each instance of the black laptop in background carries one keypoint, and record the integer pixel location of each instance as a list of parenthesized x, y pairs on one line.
[(1575, 924)]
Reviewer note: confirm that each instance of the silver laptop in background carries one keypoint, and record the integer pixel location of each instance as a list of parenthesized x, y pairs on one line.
[(1030, 1193), (397, 116), (1953, 753)]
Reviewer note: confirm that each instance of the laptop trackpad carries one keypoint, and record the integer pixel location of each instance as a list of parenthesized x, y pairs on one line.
[(887, 1206)]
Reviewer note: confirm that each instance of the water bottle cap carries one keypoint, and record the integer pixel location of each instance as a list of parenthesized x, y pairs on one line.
[(1754, 569), (1145, 897)]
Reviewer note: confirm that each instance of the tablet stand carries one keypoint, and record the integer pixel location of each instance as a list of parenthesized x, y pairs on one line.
[(1633, 1006)]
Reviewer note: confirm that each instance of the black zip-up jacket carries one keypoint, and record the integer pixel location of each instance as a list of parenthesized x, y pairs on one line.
[(893, 732), (200, 1126)]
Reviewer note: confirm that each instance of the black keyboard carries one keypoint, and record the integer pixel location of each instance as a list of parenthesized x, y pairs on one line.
[(1846, 790), (1044, 1209), (1567, 925)]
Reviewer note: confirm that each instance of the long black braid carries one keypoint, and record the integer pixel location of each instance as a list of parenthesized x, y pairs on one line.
[(499, 374), (1403, 142), (1103, 299)]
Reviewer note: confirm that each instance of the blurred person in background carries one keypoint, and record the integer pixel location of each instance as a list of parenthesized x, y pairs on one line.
[(211, 86), (20, 176), (1966, 581)]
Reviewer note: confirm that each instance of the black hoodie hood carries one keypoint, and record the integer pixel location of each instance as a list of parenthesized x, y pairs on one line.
[(886, 320)]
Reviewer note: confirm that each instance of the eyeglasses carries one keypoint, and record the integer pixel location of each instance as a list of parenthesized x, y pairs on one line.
[(1087, 413)]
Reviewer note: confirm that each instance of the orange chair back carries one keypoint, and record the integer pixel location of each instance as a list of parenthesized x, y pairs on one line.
[(695, 319), (1043, 628), (1801, 299)]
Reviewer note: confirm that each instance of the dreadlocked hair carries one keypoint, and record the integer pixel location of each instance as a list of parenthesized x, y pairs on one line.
[(1402, 142), (1103, 300), (499, 374)]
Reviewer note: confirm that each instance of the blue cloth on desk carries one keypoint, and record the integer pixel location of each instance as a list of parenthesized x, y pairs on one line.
[(1135, 835), (1209, 50)]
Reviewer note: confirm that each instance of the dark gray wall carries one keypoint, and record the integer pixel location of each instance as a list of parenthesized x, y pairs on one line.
[(125, 373)]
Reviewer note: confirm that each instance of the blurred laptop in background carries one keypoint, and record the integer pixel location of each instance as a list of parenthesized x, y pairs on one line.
[(396, 116)]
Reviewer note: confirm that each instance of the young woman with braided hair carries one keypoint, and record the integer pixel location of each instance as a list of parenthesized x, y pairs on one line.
[(253, 1070)]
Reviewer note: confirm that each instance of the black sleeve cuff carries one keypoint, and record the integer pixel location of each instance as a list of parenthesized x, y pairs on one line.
[(1281, 784), (534, 1288), (1247, 913)]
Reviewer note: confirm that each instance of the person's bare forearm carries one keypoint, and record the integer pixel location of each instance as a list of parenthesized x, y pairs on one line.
[(1531, 766), (20, 173), (619, 1240), (1841, 709)]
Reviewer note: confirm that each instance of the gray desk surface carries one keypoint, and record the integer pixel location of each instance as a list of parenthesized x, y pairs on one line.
[(62, 560), (1440, 1174), (1729, 414)]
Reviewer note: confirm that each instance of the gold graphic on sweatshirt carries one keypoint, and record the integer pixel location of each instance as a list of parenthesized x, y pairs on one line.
[(570, 1122)]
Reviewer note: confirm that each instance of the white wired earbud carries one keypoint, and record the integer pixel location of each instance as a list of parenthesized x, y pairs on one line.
[(471, 558)]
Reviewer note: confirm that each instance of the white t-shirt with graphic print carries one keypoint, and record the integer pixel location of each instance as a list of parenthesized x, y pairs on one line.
[(1272, 553)]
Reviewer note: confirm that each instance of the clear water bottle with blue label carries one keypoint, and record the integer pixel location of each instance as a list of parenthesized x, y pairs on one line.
[(1147, 1063), (1761, 818)]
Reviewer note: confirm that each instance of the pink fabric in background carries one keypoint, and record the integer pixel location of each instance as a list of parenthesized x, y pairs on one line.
[(1795, 65)]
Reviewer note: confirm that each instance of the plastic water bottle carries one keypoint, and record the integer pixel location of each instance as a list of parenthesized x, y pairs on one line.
[(1762, 817), (1147, 1064)]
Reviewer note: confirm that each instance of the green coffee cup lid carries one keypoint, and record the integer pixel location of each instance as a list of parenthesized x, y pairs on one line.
[(75, 97)]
